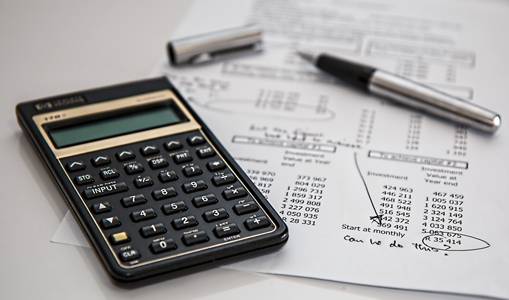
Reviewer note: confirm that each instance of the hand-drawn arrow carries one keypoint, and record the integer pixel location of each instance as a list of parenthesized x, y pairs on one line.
[(377, 217)]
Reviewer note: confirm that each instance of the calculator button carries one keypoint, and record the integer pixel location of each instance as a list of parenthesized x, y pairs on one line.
[(149, 150), (125, 155), (75, 166), (205, 200), (157, 163), (166, 176), (134, 168), (110, 222), (226, 230), (216, 165), (163, 246), (205, 152), (215, 215), (195, 238), (119, 238), (245, 208), (234, 193), (192, 171), (174, 207), (133, 200), (194, 186), (144, 214), (173, 145), (223, 179), (181, 157), (143, 181), (103, 190), (195, 140), (129, 255), (164, 193), (100, 160), (257, 223), (184, 222), (84, 179), (151, 230), (101, 207), (109, 173)]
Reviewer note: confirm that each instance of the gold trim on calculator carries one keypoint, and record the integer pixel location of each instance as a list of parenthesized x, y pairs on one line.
[(120, 104)]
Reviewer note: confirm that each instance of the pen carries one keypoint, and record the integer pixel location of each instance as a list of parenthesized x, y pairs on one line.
[(406, 91)]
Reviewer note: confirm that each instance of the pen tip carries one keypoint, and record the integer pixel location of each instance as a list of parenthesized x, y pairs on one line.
[(307, 55)]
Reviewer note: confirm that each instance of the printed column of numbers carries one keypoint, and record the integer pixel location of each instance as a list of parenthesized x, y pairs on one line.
[(396, 207), (303, 199), (443, 217)]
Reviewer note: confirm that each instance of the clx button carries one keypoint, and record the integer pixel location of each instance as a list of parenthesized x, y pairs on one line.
[(129, 255)]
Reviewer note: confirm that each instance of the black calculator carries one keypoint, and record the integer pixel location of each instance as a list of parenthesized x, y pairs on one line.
[(148, 181)]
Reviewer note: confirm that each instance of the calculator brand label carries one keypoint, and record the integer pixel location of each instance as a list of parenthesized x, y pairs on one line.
[(59, 103)]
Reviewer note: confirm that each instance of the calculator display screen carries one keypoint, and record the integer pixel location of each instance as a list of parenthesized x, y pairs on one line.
[(110, 125)]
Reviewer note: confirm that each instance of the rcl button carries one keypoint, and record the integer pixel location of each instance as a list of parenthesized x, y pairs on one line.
[(109, 173)]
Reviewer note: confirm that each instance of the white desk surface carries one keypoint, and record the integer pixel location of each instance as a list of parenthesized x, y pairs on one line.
[(51, 47)]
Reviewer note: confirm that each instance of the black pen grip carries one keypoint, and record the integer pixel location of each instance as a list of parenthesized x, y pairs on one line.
[(345, 70)]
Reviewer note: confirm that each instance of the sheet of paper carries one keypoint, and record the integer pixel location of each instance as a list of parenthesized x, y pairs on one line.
[(373, 193)]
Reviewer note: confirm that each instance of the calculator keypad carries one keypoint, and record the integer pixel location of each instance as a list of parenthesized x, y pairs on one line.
[(164, 197)]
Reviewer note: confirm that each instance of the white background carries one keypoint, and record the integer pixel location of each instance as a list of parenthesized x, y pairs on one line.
[(53, 47)]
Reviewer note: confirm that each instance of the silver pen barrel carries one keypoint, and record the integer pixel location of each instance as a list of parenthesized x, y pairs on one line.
[(419, 96)]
